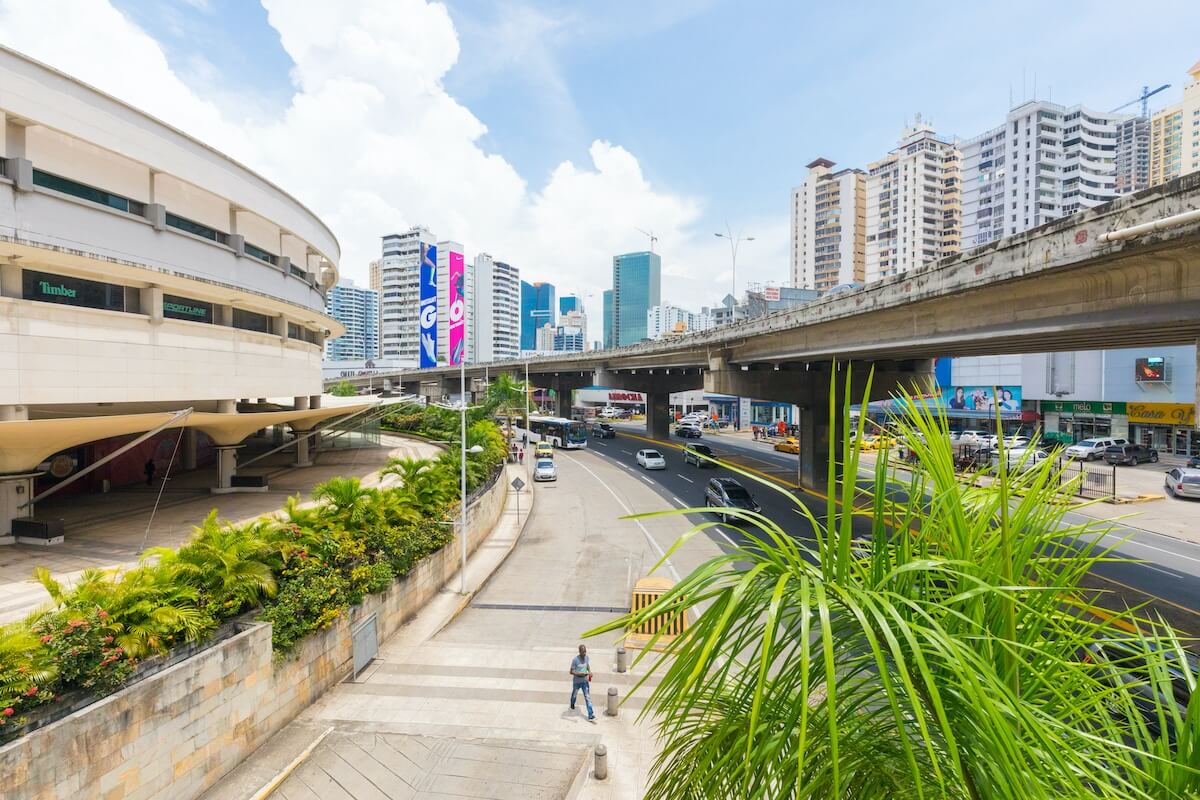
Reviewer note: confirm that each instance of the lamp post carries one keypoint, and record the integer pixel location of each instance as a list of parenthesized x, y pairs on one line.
[(734, 241)]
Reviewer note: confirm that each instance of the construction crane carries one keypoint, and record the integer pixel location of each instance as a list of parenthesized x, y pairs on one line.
[(1144, 100), (653, 238)]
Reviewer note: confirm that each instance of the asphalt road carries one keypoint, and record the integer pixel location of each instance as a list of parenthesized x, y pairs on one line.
[(1163, 572)]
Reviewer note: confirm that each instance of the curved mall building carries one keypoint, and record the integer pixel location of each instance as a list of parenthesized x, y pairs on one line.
[(143, 274)]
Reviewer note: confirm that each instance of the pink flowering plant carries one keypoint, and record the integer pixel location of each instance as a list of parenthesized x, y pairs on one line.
[(26, 670), (83, 645)]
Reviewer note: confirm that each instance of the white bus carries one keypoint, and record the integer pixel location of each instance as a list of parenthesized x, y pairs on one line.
[(560, 432)]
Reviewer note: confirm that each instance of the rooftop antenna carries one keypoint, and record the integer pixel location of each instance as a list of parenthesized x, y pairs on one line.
[(653, 238)]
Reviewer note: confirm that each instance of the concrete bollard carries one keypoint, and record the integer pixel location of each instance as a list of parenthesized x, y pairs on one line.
[(622, 660), (600, 771), (612, 702)]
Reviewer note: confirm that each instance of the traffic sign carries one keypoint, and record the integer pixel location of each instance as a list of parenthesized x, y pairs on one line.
[(518, 484)]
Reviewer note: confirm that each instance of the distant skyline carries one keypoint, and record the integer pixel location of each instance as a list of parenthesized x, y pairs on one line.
[(547, 133)]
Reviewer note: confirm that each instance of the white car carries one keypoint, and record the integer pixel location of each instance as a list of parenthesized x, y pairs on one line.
[(543, 470), (1091, 449), (1024, 458), (973, 438), (651, 459), (694, 419), (1010, 442), (609, 412)]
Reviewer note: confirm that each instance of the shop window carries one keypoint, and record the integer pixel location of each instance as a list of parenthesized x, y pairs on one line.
[(47, 288), (185, 308), (249, 321)]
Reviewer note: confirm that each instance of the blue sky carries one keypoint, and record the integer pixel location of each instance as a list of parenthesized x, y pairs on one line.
[(720, 103)]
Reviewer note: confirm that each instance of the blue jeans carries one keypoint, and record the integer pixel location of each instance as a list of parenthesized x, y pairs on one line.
[(587, 695)]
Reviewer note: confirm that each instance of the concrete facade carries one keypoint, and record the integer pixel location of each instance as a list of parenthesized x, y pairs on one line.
[(174, 734), (829, 227), (1175, 134)]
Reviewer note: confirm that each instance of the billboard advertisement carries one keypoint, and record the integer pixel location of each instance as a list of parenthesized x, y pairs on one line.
[(428, 298), (982, 398), (1152, 369), (456, 303)]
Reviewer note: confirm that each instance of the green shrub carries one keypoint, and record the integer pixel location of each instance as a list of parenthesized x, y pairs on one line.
[(84, 647), (312, 595)]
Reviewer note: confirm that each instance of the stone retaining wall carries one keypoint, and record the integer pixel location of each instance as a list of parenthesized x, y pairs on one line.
[(175, 733)]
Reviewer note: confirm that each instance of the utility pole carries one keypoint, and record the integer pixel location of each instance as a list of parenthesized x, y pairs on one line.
[(734, 241)]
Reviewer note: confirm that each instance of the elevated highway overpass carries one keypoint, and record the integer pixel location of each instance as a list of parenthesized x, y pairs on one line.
[(1126, 274)]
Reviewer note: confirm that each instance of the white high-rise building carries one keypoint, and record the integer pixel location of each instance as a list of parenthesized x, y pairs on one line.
[(571, 333), (399, 294), (1133, 155), (544, 339), (1045, 162), (913, 212), (495, 325), (663, 320), (829, 227)]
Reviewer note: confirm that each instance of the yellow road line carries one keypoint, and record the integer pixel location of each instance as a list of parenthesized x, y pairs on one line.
[(1104, 615)]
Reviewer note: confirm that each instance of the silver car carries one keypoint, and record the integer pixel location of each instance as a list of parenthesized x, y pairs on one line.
[(651, 459), (1183, 482), (544, 470)]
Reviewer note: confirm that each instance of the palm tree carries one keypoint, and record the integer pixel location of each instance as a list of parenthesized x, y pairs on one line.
[(952, 654), (351, 502), (509, 397)]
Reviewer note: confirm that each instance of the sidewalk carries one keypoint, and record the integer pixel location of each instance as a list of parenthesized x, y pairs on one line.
[(469, 699)]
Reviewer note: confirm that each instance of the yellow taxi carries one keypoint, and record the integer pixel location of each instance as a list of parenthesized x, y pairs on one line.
[(543, 450), (789, 445)]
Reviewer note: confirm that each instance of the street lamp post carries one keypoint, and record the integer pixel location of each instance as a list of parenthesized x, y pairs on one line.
[(734, 241)]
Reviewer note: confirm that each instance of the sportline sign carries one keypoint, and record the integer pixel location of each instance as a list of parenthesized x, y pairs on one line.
[(608, 396)]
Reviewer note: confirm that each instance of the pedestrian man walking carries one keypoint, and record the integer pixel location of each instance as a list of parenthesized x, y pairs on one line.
[(149, 470), (581, 676)]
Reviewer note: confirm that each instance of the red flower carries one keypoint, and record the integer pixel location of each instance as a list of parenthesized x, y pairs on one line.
[(102, 614), (8, 712), (108, 640), (31, 691), (75, 623), (47, 639)]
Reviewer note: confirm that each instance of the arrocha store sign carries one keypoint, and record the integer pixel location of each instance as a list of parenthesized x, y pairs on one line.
[(608, 396)]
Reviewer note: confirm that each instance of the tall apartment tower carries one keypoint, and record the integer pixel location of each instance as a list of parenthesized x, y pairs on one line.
[(913, 204), (358, 310), (399, 287), (495, 324), (538, 309), (608, 319), (1133, 155), (637, 288), (1175, 135), (1045, 162), (829, 227)]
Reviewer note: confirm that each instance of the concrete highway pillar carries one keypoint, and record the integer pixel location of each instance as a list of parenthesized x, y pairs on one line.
[(658, 415), (188, 445), (817, 430)]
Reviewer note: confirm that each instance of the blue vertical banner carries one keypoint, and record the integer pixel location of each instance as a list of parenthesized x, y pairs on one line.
[(428, 296)]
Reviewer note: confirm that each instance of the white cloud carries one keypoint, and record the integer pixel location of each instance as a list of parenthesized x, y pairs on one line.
[(373, 143)]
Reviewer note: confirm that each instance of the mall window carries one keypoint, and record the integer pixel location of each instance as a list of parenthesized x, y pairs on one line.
[(196, 229), (293, 330), (259, 253), (185, 308), (249, 321), (58, 183), (46, 288)]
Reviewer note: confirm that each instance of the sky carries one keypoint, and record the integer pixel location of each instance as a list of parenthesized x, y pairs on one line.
[(548, 133)]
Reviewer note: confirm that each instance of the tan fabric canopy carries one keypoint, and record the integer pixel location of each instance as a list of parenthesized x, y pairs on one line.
[(26, 443)]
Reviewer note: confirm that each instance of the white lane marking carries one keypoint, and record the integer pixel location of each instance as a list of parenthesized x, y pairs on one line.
[(1129, 542), (647, 480), (721, 531), (1156, 569), (686, 478), (661, 553)]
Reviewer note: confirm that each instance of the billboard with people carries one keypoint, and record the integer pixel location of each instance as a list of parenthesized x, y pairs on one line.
[(982, 398)]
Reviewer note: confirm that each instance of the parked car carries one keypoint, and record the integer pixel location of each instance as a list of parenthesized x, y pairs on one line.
[(544, 470), (688, 430), (1183, 482), (1194, 462), (651, 459), (1131, 454), (1091, 449), (1024, 458), (609, 412), (543, 450), (789, 445), (693, 418), (973, 438), (698, 454), (1015, 442), (728, 493), (602, 430)]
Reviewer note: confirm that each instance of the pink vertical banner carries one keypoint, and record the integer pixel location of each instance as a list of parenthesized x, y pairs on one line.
[(457, 304)]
